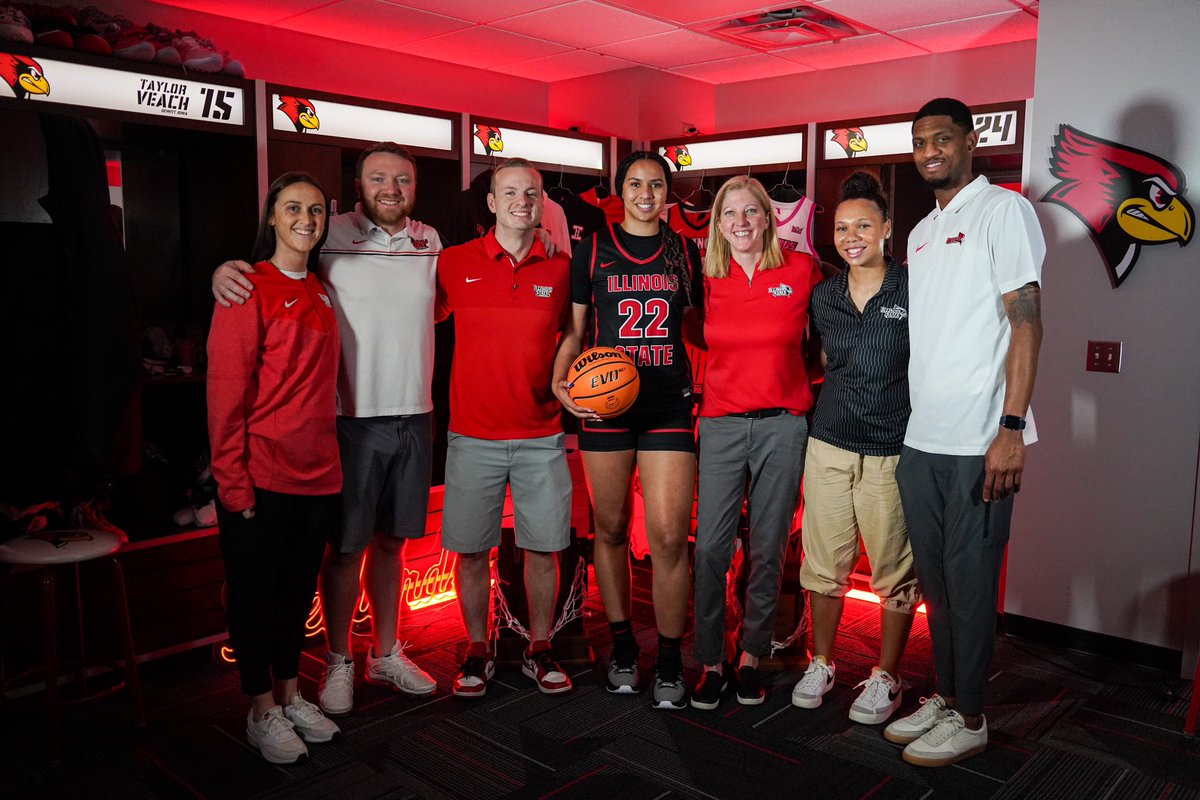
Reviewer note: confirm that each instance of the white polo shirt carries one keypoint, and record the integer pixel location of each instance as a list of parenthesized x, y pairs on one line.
[(961, 260), (383, 289)]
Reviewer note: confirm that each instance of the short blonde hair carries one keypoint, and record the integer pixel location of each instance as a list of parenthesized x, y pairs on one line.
[(718, 254)]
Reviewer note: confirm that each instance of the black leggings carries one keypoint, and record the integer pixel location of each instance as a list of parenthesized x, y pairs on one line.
[(271, 566)]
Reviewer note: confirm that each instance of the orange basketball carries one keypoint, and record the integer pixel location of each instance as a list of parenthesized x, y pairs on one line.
[(603, 379)]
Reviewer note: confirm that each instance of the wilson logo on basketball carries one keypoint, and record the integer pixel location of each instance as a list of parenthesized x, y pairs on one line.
[(604, 381)]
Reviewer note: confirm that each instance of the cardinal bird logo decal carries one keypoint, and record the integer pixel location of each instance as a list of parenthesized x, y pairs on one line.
[(492, 138), (1127, 197), (23, 75), (301, 112), (678, 155), (849, 139)]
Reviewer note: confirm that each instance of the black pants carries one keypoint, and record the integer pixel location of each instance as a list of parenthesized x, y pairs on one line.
[(958, 546), (271, 566)]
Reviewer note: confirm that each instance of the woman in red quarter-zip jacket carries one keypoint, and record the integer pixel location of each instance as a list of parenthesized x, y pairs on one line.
[(272, 405)]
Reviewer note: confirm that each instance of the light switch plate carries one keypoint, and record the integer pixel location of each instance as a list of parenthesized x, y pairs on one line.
[(1104, 356)]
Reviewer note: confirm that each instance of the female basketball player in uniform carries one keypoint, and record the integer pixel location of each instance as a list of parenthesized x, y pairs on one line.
[(632, 286), (753, 430)]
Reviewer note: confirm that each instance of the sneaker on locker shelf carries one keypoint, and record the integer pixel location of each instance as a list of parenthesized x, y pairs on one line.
[(275, 737), (398, 672), (195, 54), (164, 51), (231, 66), (14, 25)]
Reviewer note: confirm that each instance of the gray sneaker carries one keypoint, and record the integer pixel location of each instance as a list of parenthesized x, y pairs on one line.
[(623, 675), (669, 690)]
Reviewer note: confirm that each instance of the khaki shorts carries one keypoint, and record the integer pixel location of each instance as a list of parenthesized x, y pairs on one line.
[(478, 471), (847, 495)]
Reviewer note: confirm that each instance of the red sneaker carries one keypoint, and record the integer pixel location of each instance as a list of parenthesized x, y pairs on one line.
[(546, 673), (473, 679)]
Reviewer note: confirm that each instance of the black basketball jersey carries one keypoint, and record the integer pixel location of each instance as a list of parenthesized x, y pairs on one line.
[(637, 306)]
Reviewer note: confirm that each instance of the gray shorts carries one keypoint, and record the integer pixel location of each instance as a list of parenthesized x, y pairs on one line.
[(387, 463), (477, 472)]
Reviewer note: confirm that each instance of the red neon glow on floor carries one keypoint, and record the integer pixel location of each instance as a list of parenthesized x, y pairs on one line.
[(859, 594)]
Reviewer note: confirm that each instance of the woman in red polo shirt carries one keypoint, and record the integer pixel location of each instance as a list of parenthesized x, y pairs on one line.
[(272, 406), (752, 426)]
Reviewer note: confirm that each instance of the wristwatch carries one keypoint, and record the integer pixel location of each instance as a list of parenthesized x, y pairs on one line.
[(1012, 423)]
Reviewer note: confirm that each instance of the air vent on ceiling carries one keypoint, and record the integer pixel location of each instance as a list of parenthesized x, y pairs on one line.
[(787, 27)]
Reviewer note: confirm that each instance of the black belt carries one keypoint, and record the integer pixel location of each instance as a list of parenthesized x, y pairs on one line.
[(761, 414)]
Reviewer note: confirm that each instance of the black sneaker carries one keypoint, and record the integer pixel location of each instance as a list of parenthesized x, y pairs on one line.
[(749, 687), (707, 694)]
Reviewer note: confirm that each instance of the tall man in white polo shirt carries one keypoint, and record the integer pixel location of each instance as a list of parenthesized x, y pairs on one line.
[(975, 329), (379, 265)]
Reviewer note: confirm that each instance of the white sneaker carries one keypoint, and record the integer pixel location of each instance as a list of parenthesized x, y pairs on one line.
[(881, 696), (275, 737), (310, 723), (948, 742), (397, 671), (817, 680), (336, 693), (917, 724)]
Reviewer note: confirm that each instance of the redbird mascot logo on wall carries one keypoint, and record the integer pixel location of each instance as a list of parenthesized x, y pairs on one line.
[(301, 112), (1126, 197), (678, 155), (23, 75), (849, 139), (492, 138)]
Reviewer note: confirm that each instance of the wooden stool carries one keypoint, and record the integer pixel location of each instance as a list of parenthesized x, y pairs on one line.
[(48, 551)]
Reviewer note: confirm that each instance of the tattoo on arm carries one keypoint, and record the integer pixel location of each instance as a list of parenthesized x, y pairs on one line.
[(1026, 307)]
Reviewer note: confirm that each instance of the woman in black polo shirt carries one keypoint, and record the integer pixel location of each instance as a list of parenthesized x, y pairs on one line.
[(854, 444)]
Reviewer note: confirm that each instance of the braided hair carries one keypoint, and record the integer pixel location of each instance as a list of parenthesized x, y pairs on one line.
[(674, 252)]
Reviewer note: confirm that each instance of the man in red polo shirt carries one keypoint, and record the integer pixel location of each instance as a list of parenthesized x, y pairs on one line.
[(509, 301)]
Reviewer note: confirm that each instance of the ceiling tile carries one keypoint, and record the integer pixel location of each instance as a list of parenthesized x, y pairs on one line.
[(584, 24), (1012, 26), (850, 52), (674, 49), (485, 48), (692, 11), (478, 10), (372, 23), (564, 66), (911, 13), (745, 68)]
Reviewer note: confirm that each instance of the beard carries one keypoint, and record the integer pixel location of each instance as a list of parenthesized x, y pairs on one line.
[(937, 184), (386, 215)]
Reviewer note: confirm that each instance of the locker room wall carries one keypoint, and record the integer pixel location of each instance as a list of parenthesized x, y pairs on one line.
[(1105, 529)]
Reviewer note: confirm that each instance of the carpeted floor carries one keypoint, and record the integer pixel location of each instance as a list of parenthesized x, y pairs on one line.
[(1062, 725)]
